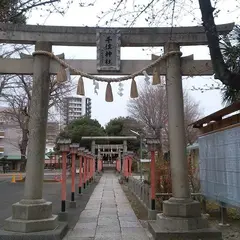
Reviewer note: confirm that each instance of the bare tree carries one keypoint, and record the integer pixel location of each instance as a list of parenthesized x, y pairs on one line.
[(169, 12), (15, 11), (7, 51), (192, 113), (19, 99), (150, 109)]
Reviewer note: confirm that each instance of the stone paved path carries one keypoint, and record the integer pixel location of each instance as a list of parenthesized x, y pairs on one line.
[(108, 215)]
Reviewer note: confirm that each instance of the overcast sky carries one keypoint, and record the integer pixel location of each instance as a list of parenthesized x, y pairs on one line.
[(210, 101)]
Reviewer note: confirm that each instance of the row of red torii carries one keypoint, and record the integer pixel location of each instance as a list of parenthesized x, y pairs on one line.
[(87, 170)]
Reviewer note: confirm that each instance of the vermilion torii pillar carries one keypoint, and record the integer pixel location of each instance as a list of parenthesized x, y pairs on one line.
[(130, 166), (80, 183), (124, 168), (73, 150), (130, 159), (64, 148), (84, 170), (88, 168), (153, 145), (93, 165), (100, 163), (87, 155)]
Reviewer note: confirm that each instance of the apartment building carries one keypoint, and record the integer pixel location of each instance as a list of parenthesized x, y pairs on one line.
[(10, 137), (75, 107), (52, 133)]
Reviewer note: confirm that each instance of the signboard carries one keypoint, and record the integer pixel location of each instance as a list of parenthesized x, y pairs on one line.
[(219, 165), (108, 50)]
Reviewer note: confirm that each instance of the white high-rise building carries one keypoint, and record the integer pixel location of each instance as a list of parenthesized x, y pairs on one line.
[(75, 107)]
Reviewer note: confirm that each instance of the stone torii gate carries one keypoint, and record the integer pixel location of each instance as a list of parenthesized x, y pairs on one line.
[(100, 149), (95, 146), (34, 214)]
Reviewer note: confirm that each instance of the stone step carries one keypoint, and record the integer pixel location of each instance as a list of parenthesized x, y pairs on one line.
[(203, 234)]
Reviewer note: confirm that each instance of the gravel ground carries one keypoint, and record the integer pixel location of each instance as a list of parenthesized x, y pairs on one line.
[(231, 232)]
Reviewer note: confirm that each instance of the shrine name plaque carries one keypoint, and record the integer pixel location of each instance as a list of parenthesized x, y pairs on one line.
[(108, 50)]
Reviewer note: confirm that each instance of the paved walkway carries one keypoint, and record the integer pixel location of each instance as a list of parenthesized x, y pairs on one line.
[(108, 215)]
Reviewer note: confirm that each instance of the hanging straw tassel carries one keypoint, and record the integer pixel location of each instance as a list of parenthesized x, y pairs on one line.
[(62, 76), (134, 91), (156, 76), (80, 87), (109, 94)]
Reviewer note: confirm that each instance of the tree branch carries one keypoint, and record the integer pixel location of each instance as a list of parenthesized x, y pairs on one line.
[(26, 7), (219, 67)]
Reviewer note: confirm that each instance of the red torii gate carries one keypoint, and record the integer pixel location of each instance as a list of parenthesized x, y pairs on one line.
[(86, 172), (127, 164)]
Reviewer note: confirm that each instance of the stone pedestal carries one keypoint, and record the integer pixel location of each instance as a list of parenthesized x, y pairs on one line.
[(72, 204), (31, 216), (181, 224), (63, 216), (152, 214), (57, 234), (167, 233), (182, 221), (188, 208)]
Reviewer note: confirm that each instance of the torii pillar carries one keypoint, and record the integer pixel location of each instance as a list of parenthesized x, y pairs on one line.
[(33, 213), (181, 217)]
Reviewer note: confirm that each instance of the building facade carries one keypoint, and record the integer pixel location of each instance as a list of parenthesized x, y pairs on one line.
[(10, 137), (9, 146), (75, 107), (53, 129)]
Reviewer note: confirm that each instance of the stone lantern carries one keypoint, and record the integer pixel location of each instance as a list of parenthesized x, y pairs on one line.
[(64, 144), (74, 148), (153, 144)]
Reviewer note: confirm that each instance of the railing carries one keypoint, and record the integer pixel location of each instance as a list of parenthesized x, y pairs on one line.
[(140, 190)]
